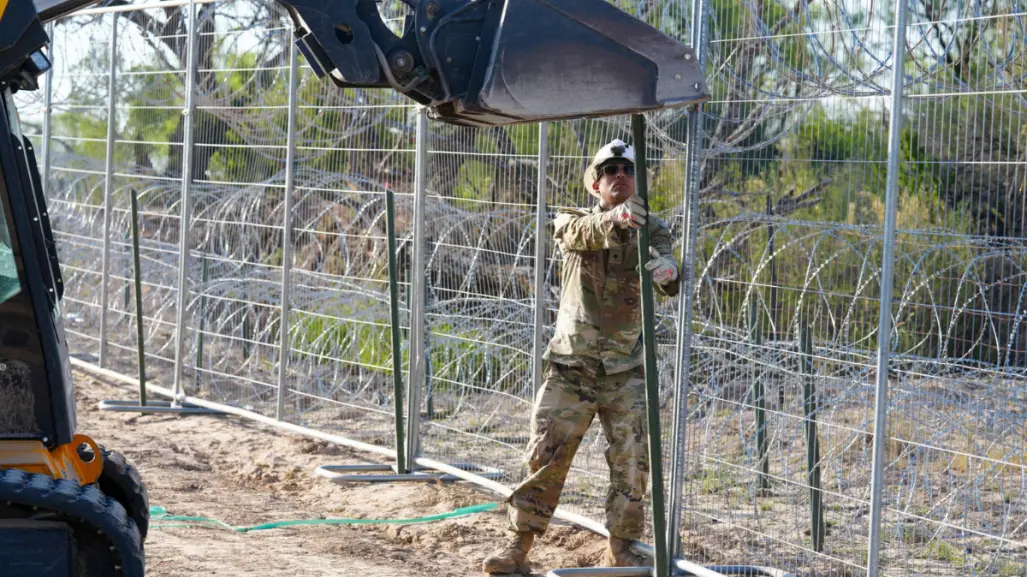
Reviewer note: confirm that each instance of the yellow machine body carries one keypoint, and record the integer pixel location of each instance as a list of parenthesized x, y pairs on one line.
[(63, 462)]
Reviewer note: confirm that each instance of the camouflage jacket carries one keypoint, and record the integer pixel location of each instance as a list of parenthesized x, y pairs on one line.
[(600, 316)]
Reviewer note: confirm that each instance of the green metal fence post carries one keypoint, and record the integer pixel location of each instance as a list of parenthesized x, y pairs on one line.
[(138, 279), (652, 382), (246, 336), (203, 317), (397, 350), (809, 403)]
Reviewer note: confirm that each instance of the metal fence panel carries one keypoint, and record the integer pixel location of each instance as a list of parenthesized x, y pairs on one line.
[(146, 159), (789, 249), (954, 489), (351, 146), (780, 431), (75, 183)]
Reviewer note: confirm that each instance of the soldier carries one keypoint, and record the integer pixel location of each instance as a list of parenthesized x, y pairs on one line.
[(594, 363)]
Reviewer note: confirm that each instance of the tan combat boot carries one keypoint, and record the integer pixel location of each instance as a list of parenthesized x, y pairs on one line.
[(513, 558), (619, 554)]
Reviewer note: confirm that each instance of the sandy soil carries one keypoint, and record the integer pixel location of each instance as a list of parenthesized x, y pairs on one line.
[(246, 473)]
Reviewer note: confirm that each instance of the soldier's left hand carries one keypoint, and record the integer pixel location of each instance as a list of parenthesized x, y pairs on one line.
[(663, 269)]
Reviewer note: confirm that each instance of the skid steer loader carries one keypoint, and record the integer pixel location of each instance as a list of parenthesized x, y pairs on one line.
[(69, 507)]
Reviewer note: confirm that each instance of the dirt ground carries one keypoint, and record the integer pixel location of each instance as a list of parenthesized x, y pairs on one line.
[(245, 473)]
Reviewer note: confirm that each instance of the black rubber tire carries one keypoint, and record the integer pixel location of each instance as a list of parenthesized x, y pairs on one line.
[(95, 558), (122, 481), (107, 539)]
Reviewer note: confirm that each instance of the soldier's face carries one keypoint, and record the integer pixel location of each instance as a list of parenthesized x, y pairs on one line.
[(616, 183)]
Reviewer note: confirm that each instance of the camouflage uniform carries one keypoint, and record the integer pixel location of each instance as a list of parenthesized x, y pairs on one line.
[(594, 365)]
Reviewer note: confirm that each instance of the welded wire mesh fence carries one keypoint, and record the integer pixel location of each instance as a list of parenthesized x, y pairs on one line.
[(188, 106)]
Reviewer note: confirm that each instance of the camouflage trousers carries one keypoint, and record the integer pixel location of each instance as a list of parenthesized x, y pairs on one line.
[(564, 410)]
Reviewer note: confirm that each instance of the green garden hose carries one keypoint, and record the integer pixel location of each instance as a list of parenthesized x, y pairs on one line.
[(162, 519)]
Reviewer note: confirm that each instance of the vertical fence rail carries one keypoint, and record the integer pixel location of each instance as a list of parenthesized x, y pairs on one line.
[(108, 188), (538, 338), (417, 288), (284, 341), (884, 324), (690, 232), (184, 232)]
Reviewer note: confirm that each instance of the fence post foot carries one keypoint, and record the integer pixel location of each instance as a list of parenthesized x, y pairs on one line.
[(684, 568), (155, 407), (345, 474), (603, 572)]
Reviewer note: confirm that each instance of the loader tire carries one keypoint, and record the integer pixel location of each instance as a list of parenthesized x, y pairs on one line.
[(107, 542), (122, 481)]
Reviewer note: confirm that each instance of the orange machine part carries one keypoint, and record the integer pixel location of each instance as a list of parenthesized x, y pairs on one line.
[(63, 462)]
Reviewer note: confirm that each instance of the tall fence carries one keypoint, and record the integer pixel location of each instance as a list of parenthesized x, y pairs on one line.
[(807, 438)]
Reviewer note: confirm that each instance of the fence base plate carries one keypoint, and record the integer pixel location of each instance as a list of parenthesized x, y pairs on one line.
[(342, 474), (155, 407), (682, 568), (603, 572)]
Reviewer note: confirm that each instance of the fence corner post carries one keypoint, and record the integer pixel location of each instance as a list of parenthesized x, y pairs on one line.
[(108, 190), (686, 294), (185, 202), (418, 287), (884, 324), (538, 345), (284, 342)]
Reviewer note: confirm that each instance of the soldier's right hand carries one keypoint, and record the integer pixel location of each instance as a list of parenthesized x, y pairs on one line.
[(631, 213)]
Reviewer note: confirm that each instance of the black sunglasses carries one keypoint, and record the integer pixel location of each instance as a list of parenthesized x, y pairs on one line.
[(612, 169)]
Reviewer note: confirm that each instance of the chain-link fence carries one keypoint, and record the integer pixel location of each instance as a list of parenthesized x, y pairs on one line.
[(276, 297)]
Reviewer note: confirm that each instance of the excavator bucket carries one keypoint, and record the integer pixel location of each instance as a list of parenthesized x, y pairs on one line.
[(48, 10), (500, 62)]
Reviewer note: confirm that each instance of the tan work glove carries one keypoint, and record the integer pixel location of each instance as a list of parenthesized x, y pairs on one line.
[(629, 214), (664, 270)]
